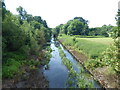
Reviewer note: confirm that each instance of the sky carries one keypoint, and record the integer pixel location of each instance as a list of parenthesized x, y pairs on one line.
[(55, 12)]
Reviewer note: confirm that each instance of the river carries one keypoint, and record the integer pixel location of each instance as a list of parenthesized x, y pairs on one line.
[(57, 73)]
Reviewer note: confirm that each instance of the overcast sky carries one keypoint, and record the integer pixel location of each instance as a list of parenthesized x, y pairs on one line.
[(55, 12)]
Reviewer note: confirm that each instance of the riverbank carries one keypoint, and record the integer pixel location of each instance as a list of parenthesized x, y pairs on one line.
[(32, 78), (63, 70), (107, 81), (30, 72)]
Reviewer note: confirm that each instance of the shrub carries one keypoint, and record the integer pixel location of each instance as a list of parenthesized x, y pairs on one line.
[(34, 47), (25, 50), (32, 62), (10, 68), (48, 49)]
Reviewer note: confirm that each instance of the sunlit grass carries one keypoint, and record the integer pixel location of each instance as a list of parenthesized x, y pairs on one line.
[(106, 41), (93, 47)]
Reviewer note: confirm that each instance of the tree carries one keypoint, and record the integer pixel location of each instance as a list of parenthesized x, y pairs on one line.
[(44, 23), (64, 28), (36, 24), (4, 11), (40, 37), (13, 36), (22, 12), (85, 22), (29, 18), (38, 19), (75, 28), (81, 20), (57, 30)]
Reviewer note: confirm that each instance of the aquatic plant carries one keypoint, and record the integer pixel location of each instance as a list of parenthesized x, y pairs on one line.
[(74, 80)]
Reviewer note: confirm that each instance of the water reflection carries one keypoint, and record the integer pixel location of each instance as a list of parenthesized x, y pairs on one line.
[(56, 72)]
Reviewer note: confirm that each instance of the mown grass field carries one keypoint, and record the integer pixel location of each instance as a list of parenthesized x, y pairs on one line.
[(106, 41), (93, 47)]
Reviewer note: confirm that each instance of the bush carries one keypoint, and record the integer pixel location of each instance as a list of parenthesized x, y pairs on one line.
[(13, 55), (10, 68), (34, 47), (25, 50), (48, 49), (93, 63), (32, 62), (107, 58)]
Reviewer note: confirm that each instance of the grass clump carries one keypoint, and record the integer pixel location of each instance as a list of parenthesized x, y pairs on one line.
[(67, 63), (61, 52)]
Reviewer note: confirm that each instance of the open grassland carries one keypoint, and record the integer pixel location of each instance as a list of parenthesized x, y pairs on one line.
[(106, 41), (93, 47)]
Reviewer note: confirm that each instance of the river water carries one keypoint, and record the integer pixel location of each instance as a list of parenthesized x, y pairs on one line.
[(57, 73)]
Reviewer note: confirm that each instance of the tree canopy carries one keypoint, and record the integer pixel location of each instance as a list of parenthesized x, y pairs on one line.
[(24, 31)]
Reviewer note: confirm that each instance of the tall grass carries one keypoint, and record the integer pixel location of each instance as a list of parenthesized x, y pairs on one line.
[(106, 41), (93, 49)]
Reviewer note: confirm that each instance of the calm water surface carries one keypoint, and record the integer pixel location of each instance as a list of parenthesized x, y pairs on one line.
[(57, 73)]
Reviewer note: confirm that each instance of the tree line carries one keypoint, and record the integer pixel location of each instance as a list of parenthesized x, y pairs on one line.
[(79, 26), (23, 31), (23, 36)]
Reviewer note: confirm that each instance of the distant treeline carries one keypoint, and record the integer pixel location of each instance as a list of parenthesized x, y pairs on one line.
[(79, 26)]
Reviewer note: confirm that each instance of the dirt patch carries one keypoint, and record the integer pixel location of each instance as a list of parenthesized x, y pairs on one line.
[(80, 56), (107, 80)]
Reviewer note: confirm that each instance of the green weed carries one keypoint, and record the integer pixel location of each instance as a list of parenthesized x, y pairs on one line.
[(10, 68), (75, 80)]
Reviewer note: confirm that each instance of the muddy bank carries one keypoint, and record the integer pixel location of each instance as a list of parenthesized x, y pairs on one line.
[(107, 81), (30, 79)]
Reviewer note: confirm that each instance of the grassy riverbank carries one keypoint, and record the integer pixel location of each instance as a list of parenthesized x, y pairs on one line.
[(19, 67), (102, 59), (15, 60), (92, 47)]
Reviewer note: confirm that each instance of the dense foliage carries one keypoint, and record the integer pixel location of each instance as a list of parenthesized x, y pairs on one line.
[(79, 26), (24, 35), (101, 31)]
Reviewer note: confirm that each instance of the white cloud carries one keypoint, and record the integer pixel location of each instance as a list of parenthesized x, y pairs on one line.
[(55, 12)]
